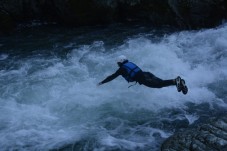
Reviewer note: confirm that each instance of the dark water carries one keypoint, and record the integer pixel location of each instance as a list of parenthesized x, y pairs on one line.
[(49, 98)]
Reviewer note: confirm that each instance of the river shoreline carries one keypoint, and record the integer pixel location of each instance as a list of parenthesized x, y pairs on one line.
[(186, 14)]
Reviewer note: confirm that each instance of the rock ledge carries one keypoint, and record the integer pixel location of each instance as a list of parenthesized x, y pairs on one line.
[(207, 137)]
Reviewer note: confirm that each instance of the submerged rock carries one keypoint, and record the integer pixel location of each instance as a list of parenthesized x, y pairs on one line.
[(207, 137)]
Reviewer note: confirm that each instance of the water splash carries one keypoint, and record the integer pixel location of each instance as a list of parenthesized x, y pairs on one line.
[(52, 101)]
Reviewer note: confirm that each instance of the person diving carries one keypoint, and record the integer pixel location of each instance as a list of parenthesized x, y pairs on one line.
[(132, 73)]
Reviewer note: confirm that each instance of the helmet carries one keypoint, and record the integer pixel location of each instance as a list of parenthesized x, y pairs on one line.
[(121, 59)]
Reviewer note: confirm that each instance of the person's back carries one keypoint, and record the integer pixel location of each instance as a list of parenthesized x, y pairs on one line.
[(131, 71)]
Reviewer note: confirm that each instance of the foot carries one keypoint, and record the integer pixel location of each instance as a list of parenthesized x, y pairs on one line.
[(184, 88), (178, 83)]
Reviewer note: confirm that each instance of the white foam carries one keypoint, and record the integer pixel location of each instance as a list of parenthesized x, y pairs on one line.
[(191, 118), (120, 143), (50, 101), (3, 56)]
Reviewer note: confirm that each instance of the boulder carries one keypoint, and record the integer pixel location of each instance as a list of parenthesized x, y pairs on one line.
[(178, 13), (6, 23), (194, 14), (211, 136)]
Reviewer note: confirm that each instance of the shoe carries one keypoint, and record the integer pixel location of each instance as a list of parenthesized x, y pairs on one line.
[(178, 83), (183, 86)]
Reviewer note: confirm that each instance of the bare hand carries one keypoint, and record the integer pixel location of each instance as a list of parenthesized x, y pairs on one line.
[(100, 83)]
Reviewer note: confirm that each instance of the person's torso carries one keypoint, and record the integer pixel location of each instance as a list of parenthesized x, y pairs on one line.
[(130, 71)]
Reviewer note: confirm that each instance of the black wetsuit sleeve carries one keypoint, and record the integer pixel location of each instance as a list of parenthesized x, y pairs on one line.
[(111, 77)]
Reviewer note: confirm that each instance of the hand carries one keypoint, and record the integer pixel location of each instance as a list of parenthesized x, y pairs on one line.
[(100, 83)]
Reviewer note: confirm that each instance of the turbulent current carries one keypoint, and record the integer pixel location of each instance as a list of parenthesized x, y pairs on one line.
[(49, 98)]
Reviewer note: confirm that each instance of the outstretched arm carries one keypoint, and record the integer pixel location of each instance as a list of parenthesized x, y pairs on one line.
[(110, 78)]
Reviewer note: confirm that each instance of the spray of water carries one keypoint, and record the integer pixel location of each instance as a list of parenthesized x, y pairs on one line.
[(49, 102)]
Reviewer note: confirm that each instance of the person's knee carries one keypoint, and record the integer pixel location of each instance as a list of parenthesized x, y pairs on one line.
[(159, 86), (152, 85)]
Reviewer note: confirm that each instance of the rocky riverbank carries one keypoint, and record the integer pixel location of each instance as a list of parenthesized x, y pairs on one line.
[(207, 137), (190, 14)]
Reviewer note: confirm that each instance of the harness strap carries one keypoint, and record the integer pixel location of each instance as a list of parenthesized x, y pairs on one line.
[(132, 84), (132, 70)]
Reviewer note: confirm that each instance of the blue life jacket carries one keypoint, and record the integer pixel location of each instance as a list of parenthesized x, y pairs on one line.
[(132, 70)]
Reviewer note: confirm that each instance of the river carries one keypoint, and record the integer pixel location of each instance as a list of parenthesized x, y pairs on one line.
[(49, 99)]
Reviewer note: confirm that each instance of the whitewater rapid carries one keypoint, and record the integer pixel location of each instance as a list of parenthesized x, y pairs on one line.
[(50, 100)]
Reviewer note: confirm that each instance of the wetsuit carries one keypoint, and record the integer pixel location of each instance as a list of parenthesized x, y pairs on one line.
[(145, 78)]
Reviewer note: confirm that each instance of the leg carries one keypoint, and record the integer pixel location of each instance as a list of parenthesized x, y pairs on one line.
[(152, 81)]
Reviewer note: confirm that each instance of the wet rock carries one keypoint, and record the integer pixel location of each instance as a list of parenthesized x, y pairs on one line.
[(180, 13), (6, 23), (207, 137), (193, 14)]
